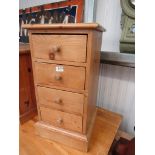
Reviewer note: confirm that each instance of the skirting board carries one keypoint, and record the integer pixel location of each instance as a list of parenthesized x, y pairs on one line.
[(69, 138)]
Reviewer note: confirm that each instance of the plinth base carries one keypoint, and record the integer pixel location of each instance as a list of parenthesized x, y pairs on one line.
[(66, 137)]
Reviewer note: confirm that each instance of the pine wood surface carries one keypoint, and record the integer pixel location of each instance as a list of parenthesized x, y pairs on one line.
[(92, 73), (61, 100), (64, 47), (61, 119), (27, 101), (51, 41), (104, 131), (95, 26), (114, 58), (46, 74)]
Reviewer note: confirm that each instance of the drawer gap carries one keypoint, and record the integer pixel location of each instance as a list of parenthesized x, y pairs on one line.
[(66, 111)]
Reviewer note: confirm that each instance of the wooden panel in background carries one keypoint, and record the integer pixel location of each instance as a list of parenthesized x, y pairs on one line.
[(27, 101), (24, 86)]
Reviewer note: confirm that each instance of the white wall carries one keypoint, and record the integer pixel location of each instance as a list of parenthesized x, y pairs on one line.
[(108, 14), (90, 11), (117, 93)]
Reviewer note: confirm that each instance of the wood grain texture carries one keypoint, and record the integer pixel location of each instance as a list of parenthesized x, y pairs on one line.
[(61, 100), (27, 101), (73, 139), (92, 74), (61, 119), (70, 63), (69, 138), (105, 128), (71, 47), (27, 115), (24, 91), (114, 58), (90, 26), (71, 77), (115, 71)]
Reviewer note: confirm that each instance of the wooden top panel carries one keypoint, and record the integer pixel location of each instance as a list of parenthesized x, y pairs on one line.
[(95, 26)]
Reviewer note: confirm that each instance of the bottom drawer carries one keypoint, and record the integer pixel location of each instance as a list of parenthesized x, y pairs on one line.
[(61, 119)]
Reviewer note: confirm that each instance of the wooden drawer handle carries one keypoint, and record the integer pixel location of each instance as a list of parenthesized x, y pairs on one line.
[(55, 49), (58, 101), (58, 77), (59, 120), (51, 55)]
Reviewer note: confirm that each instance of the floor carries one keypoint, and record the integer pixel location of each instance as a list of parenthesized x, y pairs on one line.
[(105, 129)]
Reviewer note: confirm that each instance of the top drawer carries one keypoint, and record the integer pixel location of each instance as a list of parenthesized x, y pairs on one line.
[(59, 47)]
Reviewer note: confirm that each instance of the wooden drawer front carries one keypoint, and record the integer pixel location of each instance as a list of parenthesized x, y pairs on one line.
[(69, 77), (60, 47), (61, 100), (61, 119)]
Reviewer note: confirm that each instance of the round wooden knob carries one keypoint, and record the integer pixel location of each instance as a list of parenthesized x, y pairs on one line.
[(55, 49), (58, 101), (59, 120), (51, 55), (58, 77)]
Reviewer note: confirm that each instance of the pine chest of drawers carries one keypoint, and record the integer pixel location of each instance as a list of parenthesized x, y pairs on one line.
[(65, 61)]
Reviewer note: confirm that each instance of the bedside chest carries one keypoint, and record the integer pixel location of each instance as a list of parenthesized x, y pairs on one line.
[(65, 59)]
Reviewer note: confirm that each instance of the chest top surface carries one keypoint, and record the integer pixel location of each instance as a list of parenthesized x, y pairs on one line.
[(92, 26)]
